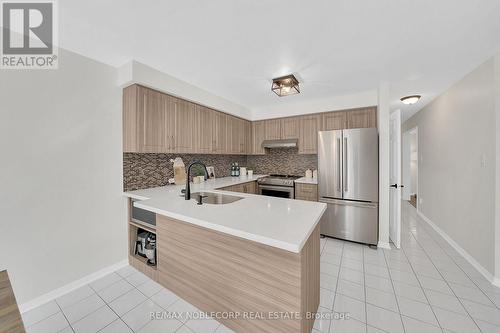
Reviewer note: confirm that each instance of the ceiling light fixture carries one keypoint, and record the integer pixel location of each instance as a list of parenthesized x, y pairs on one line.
[(409, 100), (285, 85)]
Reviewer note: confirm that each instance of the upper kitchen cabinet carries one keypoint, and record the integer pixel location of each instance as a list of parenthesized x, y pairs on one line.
[(290, 128), (248, 137), (258, 135), (186, 127), (206, 124), (308, 138), (272, 129), (219, 133), (334, 120), (130, 124), (362, 118), (236, 135), (148, 121)]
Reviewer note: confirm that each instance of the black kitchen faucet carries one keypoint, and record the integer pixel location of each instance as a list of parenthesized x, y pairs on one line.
[(187, 192)]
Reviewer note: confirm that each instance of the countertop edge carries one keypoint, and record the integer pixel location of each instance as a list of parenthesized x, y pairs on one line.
[(233, 232), (305, 180)]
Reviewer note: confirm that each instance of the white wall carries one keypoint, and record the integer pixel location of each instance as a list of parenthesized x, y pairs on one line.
[(497, 171), (135, 72), (383, 121), (413, 163), (62, 213), (406, 165), (293, 107), (456, 132)]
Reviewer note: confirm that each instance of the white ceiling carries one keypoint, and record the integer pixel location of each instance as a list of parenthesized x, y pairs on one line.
[(233, 48)]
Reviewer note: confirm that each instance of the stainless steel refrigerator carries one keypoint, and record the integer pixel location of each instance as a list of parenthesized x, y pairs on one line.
[(348, 183)]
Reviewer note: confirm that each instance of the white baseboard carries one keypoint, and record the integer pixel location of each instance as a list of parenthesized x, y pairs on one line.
[(45, 298), (384, 245), (488, 276)]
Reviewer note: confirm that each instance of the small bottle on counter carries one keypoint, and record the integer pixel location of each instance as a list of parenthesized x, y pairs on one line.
[(237, 169), (233, 170)]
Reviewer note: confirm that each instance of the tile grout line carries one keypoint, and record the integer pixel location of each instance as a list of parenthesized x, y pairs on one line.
[(336, 285), (394, 290), (463, 271), (364, 287), (419, 244), (106, 304), (421, 287)]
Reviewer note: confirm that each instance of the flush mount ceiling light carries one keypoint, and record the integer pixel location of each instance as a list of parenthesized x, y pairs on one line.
[(408, 100), (285, 85)]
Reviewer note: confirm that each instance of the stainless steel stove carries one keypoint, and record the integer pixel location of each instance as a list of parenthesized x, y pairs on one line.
[(282, 186)]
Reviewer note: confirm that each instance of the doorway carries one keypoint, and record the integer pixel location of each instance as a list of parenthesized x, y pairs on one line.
[(409, 167), (395, 178)]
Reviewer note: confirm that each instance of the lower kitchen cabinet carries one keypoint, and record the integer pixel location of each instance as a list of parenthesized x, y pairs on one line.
[(308, 192), (249, 187)]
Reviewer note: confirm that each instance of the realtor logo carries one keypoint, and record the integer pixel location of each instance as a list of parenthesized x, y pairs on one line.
[(28, 35)]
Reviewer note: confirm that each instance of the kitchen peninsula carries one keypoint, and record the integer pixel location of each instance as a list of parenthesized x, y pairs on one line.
[(256, 259)]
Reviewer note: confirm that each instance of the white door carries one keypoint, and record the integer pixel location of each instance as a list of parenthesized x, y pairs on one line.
[(406, 166), (395, 178)]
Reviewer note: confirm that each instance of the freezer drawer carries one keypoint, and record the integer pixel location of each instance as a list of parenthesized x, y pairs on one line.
[(353, 221)]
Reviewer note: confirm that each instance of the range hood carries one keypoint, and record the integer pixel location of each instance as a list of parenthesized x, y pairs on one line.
[(285, 143)]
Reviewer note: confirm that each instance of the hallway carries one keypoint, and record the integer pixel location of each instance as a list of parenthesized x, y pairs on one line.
[(426, 286)]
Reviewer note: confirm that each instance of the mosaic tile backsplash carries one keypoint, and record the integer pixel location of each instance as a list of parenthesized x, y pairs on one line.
[(283, 161), (151, 170)]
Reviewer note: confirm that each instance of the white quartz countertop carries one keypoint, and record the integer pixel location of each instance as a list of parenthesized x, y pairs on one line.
[(306, 180), (277, 222)]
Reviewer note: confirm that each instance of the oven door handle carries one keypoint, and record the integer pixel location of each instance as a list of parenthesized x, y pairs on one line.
[(278, 188)]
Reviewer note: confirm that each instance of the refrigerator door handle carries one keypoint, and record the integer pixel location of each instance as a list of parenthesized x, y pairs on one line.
[(348, 203), (338, 165), (345, 165)]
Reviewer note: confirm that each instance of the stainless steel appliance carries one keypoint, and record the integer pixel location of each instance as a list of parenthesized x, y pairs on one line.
[(140, 215), (282, 186), (348, 183)]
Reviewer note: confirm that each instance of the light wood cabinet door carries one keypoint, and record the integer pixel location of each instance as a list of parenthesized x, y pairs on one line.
[(186, 127), (169, 105), (362, 118), (206, 122), (290, 128), (148, 121), (219, 133), (130, 119), (241, 136), (250, 187), (248, 137), (152, 121), (334, 121), (308, 192), (272, 129), (258, 135), (308, 139), (232, 135)]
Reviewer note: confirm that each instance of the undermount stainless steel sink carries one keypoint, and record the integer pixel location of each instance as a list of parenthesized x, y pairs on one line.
[(214, 198)]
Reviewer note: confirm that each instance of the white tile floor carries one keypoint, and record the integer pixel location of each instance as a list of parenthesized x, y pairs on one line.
[(424, 287)]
